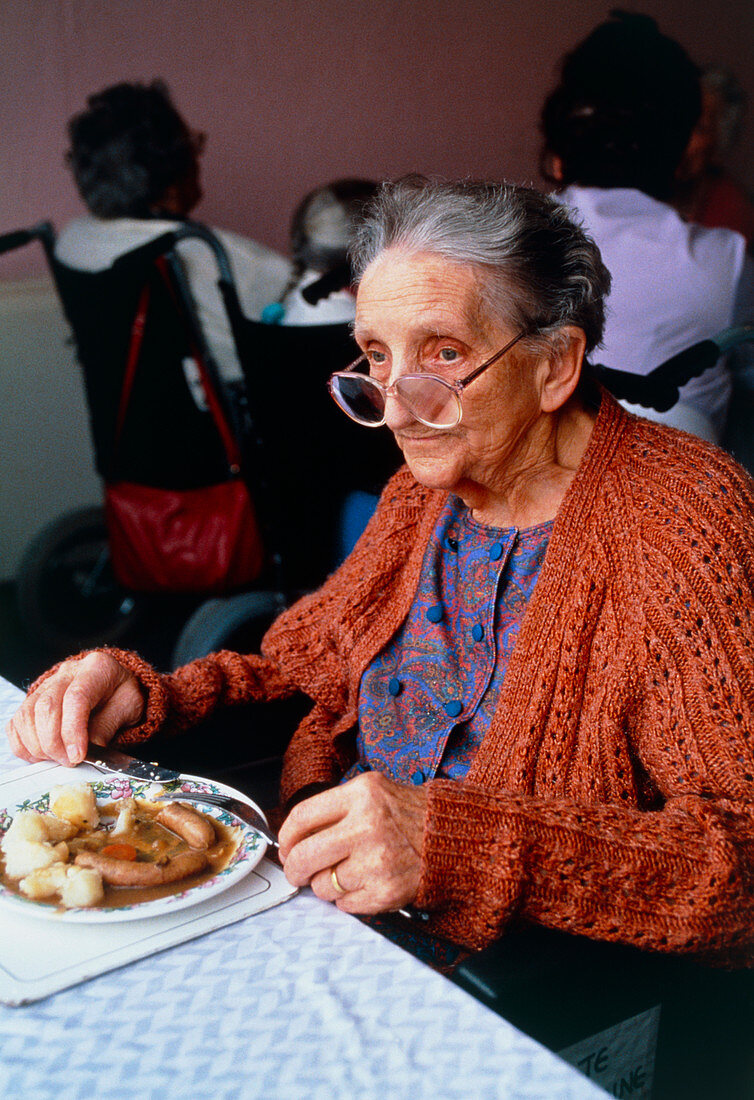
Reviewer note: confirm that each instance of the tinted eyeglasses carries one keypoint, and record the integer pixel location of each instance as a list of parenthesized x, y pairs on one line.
[(433, 401)]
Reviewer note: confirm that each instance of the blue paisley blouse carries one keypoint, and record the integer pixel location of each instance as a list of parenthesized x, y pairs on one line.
[(426, 701)]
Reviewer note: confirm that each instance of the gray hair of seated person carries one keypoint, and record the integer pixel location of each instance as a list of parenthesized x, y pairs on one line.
[(539, 272), (323, 224)]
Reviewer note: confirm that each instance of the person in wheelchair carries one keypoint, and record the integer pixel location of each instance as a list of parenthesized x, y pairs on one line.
[(530, 687), (320, 290), (615, 132), (136, 164)]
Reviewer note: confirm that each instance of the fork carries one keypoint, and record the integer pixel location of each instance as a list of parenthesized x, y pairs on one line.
[(242, 810)]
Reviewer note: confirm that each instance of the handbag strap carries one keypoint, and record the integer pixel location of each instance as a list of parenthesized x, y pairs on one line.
[(134, 347), (230, 445)]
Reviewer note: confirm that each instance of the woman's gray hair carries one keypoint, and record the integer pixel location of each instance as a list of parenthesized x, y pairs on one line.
[(539, 270)]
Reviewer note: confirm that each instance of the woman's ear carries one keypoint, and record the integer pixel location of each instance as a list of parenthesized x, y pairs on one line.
[(561, 370)]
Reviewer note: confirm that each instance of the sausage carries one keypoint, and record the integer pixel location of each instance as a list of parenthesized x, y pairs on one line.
[(187, 823), (123, 872), (183, 865)]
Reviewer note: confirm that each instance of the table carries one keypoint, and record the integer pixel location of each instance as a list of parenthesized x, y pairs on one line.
[(300, 1001)]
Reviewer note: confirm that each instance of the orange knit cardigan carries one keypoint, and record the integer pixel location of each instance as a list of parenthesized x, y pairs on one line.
[(614, 793)]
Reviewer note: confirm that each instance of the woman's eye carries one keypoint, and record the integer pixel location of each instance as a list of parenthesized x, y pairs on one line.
[(448, 355), (378, 362)]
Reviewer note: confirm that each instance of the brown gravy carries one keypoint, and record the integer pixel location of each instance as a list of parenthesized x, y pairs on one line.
[(153, 842)]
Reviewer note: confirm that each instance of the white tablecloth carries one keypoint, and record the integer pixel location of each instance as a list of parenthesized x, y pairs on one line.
[(300, 1001)]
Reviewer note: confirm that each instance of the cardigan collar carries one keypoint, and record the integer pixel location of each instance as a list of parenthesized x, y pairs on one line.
[(542, 624)]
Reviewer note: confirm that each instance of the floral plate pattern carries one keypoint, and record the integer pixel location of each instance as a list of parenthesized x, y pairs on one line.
[(250, 850)]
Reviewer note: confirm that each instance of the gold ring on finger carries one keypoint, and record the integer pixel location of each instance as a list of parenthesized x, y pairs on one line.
[(334, 881)]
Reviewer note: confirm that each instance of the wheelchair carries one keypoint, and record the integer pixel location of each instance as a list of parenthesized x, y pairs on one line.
[(65, 589), (316, 481), (69, 595)]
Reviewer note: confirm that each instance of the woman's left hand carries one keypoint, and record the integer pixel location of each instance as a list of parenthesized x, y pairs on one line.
[(369, 830)]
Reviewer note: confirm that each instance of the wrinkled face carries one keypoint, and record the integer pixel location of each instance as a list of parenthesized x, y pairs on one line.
[(420, 312)]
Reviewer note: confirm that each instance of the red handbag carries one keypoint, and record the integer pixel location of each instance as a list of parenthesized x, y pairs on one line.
[(187, 540)]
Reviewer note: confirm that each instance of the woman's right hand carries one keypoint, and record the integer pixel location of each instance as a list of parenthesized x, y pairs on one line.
[(86, 699)]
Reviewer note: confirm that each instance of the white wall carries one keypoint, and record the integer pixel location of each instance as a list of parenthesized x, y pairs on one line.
[(46, 464)]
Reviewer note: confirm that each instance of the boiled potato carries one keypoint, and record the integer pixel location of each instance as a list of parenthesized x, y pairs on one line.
[(82, 887), (27, 825), (22, 857), (75, 802), (44, 882), (126, 821)]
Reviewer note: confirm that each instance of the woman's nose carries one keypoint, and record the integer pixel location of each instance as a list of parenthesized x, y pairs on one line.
[(397, 416)]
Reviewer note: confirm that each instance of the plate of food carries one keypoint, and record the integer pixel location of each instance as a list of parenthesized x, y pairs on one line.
[(115, 849)]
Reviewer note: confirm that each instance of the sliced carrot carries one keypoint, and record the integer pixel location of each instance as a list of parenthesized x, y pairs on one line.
[(120, 850)]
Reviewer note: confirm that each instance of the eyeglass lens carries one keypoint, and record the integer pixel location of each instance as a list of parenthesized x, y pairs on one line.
[(359, 397), (430, 400)]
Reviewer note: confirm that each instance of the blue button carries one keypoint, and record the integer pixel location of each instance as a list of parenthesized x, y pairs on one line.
[(477, 632), (452, 544), (496, 551), (394, 686), (434, 614), (417, 778), (454, 708)]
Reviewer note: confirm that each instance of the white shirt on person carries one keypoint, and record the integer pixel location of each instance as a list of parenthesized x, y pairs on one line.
[(94, 244), (337, 308), (674, 283)]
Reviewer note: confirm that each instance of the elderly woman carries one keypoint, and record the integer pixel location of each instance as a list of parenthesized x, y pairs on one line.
[(532, 682)]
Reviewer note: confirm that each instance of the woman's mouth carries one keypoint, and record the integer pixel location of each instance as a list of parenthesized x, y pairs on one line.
[(416, 437)]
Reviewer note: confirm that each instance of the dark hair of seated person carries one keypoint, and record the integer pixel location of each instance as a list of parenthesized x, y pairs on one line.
[(622, 114), (132, 155)]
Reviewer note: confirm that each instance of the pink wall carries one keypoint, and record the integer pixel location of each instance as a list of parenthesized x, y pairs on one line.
[(294, 92)]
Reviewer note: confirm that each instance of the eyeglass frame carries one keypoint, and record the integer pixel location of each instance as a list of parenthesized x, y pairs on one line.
[(457, 386)]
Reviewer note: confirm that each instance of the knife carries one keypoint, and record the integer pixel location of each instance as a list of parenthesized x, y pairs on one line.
[(108, 759)]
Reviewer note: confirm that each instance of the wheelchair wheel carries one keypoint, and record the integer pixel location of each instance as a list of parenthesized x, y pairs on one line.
[(67, 594), (218, 623)]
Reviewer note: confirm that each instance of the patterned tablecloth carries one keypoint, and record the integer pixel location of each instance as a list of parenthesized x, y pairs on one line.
[(300, 1001)]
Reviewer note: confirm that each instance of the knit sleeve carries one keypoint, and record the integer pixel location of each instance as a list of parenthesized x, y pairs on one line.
[(679, 879), (180, 700), (319, 753), (308, 649), (676, 871)]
